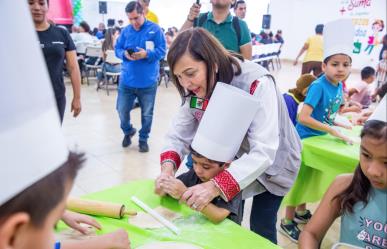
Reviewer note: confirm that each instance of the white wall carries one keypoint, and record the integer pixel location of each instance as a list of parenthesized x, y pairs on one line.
[(170, 12), (298, 18)]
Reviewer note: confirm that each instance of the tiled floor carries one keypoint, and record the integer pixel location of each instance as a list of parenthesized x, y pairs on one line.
[(96, 132)]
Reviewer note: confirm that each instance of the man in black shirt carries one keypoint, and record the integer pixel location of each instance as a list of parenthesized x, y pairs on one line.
[(57, 46)]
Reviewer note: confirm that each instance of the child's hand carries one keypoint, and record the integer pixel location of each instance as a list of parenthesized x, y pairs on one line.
[(174, 187), (339, 135), (116, 240), (74, 220)]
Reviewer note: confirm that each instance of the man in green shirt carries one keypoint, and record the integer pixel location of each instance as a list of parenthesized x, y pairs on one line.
[(233, 34)]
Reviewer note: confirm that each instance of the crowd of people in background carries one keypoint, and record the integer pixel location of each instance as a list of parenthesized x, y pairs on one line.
[(215, 47)]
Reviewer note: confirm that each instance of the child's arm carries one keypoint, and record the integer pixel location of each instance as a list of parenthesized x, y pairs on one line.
[(215, 214), (325, 215), (74, 220), (115, 240), (175, 188), (352, 91), (306, 119)]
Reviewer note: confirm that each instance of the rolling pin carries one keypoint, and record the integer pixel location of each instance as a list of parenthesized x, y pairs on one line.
[(98, 208)]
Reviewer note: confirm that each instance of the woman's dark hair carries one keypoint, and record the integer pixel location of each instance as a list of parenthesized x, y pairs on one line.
[(204, 47), (359, 188), (108, 42), (85, 26), (39, 199)]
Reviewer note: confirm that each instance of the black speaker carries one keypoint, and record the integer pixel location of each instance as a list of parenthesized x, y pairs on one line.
[(103, 7), (266, 21), (111, 22)]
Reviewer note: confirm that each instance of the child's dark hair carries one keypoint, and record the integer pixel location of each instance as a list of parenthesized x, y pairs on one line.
[(358, 190), (195, 153), (330, 57), (43, 196), (367, 72)]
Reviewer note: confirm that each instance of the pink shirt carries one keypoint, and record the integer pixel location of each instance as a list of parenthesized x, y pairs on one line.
[(363, 95)]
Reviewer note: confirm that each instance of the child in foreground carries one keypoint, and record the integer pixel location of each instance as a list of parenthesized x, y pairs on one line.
[(360, 199), (204, 170)]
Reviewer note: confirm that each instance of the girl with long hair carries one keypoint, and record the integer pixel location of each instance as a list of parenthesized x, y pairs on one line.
[(359, 198), (109, 43)]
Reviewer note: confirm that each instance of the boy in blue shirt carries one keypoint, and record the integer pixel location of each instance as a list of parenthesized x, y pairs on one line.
[(323, 101)]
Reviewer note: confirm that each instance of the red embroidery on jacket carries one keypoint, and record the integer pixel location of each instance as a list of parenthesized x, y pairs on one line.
[(254, 86), (228, 184), (171, 155), (198, 115)]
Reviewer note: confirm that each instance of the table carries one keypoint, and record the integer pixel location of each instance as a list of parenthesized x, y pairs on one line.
[(195, 228), (323, 158)]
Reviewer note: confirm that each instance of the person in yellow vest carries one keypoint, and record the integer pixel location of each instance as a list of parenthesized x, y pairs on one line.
[(150, 15)]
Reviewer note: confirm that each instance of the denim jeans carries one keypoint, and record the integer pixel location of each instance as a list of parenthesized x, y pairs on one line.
[(263, 216), (146, 98), (106, 67)]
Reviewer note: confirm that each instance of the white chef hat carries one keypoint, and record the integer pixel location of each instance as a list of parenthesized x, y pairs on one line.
[(338, 37), (380, 113), (225, 122), (31, 141)]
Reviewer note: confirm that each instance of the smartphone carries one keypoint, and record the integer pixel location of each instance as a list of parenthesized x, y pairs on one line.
[(130, 51)]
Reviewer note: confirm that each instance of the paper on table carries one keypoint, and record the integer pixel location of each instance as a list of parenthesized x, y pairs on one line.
[(225, 122)]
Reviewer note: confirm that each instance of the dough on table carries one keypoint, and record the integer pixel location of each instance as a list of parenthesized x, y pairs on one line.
[(169, 245), (146, 221), (71, 234)]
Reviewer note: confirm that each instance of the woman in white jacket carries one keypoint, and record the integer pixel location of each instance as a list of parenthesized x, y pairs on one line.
[(269, 158)]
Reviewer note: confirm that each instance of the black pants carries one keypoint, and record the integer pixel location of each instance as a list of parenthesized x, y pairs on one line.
[(263, 216)]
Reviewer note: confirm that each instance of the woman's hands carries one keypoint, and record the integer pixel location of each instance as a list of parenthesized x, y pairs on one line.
[(199, 196), (167, 170), (173, 187)]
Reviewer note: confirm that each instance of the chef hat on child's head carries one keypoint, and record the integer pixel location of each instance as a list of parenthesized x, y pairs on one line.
[(225, 123), (380, 113), (31, 141), (338, 37)]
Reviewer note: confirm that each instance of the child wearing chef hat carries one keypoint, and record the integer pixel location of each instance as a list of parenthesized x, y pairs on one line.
[(37, 170), (323, 101)]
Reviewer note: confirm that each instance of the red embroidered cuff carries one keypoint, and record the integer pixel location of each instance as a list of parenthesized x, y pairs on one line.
[(227, 184), (254, 86), (171, 156)]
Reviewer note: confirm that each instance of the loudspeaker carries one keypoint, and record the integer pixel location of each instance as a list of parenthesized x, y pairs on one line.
[(266, 21), (111, 22), (103, 7)]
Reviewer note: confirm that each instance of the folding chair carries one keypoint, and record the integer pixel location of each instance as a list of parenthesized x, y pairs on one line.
[(92, 53), (111, 59)]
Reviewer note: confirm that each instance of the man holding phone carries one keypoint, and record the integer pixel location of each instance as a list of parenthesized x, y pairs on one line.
[(141, 45), (231, 31)]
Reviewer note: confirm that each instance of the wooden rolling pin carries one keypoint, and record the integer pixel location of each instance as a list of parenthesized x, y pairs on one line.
[(99, 208)]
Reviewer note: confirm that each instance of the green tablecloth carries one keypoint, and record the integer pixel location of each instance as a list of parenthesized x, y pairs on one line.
[(195, 228), (323, 158)]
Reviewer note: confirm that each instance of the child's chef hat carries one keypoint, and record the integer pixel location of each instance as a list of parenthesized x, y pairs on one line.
[(225, 123), (31, 141)]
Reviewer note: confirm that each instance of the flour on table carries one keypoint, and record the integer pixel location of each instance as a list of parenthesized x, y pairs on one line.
[(146, 221), (169, 245)]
